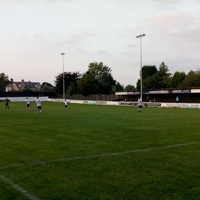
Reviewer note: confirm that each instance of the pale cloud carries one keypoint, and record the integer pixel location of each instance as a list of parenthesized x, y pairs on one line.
[(160, 4), (36, 1), (84, 36), (165, 4), (101, 52), (171, 22)]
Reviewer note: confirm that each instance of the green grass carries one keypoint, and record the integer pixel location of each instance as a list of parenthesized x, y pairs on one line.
[(99, 152)]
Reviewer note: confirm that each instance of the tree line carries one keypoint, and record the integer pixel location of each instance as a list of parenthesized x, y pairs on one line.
[(154, 78), (98, 79)]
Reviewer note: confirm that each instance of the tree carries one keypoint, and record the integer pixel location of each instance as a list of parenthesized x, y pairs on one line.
[(103, 77), (87, 84), (70, 78), (153, 78), (118, 87), (129, 88), (148, 71), (192, 79), (147, 75), (149, 82), (97, 80), (177, 79), (47, 86), (163, 76), (71, 89), (3, 81)]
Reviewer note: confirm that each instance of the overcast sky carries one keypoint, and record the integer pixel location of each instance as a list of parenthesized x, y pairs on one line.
[(34, 33)]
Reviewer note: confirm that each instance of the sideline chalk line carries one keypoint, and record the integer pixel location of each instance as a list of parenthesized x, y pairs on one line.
[(99, 155), (18, 188)]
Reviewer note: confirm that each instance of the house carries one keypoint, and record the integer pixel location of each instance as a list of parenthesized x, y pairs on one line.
[(23, 85)]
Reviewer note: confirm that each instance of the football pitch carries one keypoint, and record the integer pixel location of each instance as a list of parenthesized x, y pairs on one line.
[(99, 152)]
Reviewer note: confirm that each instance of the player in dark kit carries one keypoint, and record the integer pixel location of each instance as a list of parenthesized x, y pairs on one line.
[(7, 104)]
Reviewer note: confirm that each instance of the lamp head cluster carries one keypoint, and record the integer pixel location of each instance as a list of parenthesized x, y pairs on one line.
[(62, 54), (139, 36)]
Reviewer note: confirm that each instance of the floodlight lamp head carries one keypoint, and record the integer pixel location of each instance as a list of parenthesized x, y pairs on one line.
[(139, 36), (62, 54)]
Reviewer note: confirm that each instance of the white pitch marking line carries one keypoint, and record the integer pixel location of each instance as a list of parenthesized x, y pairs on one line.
[(119, 153), (18, 188), (100, 155)]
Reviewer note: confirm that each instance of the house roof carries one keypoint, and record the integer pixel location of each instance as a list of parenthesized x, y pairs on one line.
[(27, 84)]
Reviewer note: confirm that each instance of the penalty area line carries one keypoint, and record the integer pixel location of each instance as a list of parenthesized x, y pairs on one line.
[(18, 188)]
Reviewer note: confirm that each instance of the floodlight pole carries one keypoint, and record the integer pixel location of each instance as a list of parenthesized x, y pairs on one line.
[(62, 54), (140, 37)]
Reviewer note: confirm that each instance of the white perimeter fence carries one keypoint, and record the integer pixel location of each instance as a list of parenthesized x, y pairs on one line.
[(23, 99), (148, 104)]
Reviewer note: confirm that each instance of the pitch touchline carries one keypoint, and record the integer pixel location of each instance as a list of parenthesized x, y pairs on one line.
[(100, 155)]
